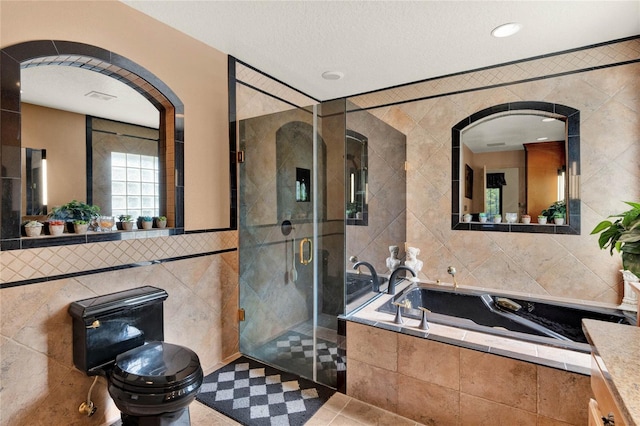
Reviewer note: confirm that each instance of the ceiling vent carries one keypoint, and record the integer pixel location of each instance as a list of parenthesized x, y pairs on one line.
[(100, 96)]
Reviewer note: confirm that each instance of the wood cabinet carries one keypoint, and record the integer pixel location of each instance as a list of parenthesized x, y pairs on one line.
[(604, 406)]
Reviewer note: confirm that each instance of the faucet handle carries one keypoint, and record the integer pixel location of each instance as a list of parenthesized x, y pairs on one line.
[(424, 325)]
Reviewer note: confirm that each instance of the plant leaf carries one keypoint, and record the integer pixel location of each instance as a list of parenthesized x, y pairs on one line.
[(601, 227)]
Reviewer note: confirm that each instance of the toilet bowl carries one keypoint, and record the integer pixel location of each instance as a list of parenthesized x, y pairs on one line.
[(120, 336)]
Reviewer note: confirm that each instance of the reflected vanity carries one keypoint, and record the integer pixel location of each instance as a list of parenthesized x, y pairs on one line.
[(492, 178)]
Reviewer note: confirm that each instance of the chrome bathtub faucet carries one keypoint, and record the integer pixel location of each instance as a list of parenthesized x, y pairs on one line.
[(375, 282), (392, 279)]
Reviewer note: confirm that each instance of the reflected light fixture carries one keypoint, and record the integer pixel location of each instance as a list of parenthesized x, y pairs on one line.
[(506, 30), (45, 183), (542, 139)]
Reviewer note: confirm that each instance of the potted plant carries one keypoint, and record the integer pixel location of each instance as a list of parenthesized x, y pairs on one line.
[(56, 227), (525, 218), (145, 222), (74, 210), (125, 222), (482, 216), (556, 210), (33, 228), (542, 219), (497, 218), (623, 235), (558, 218), (160, 221), (80, 226)]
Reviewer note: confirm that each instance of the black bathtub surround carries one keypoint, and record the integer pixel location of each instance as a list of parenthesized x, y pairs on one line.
[(562, 354)]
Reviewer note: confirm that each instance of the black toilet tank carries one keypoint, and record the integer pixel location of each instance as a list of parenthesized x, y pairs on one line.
[(107, 325)]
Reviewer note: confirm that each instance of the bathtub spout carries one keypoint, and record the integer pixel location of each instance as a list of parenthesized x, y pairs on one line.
[(375, 282), (392, 279)]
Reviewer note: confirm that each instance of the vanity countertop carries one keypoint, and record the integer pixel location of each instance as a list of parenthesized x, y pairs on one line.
[(618, 346)]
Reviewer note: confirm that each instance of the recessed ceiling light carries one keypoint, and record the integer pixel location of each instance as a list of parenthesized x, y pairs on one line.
[(332, 75), (542, 139), (506, 30)]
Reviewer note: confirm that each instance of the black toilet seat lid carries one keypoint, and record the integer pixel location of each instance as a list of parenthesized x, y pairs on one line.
[(157, 364)]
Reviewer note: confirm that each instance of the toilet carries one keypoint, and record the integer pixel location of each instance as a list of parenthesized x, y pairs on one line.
[(120, 336)]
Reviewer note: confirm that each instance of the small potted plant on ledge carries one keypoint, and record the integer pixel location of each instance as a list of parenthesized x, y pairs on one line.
[(125, 222), (80, 226), (525, 218), (542, 219), (33, 228), (160, 222), (556, 212), (56, 227), (145, 222), (482, 216), (74, 210)]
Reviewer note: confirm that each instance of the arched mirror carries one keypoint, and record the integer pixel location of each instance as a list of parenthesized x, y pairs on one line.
[(55, 56), (515, 168)]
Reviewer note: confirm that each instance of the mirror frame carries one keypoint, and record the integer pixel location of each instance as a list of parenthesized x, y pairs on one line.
[(573, 170), (106, 62)]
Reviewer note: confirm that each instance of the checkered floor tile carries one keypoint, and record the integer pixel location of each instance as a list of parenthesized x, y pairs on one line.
[(294, 352), (253, 393)]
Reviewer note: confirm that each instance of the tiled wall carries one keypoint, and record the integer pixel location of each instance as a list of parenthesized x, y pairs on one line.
[(436, 383), (386, 193), (40, 384), (569, 266)]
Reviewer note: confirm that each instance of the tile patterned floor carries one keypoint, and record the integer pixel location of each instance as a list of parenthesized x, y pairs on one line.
[(340, 410)]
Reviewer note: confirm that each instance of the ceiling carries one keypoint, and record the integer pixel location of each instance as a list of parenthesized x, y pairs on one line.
[(376, 44)]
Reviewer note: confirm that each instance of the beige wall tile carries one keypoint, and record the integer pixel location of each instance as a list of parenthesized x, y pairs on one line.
[(563, 395), (372, 415), (429, 361), (373, 385), (481, 412), (498, 379), (373, 346), (427, 403)]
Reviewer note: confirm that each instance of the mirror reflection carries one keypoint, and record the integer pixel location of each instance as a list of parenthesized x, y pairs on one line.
[(513, 167), (111, 162), (34, 178), (357, 211)]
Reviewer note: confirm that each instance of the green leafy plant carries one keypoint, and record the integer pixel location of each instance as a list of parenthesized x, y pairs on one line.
[(75, 210), (623, 235), (557, 209), (146, 218), (80, 222), (32, 224), (161, 218), (125, 218)]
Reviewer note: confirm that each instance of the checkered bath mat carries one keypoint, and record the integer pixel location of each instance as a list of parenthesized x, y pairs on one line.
[(253, 393)]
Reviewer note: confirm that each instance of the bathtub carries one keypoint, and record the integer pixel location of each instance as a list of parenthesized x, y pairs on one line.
[(359, 288), (529, 319)]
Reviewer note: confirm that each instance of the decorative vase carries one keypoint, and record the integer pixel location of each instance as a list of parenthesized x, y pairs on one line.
[(466, 218), (497, 218), (147, 224), (80, 228), (56, 229), (160, 223), (630, 297), (558, 220), (127, 226), (483, 219), (33, 231), (526, 219), (542, 220)]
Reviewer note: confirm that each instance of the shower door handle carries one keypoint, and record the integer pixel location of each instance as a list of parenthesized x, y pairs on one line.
[(302, 259)]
